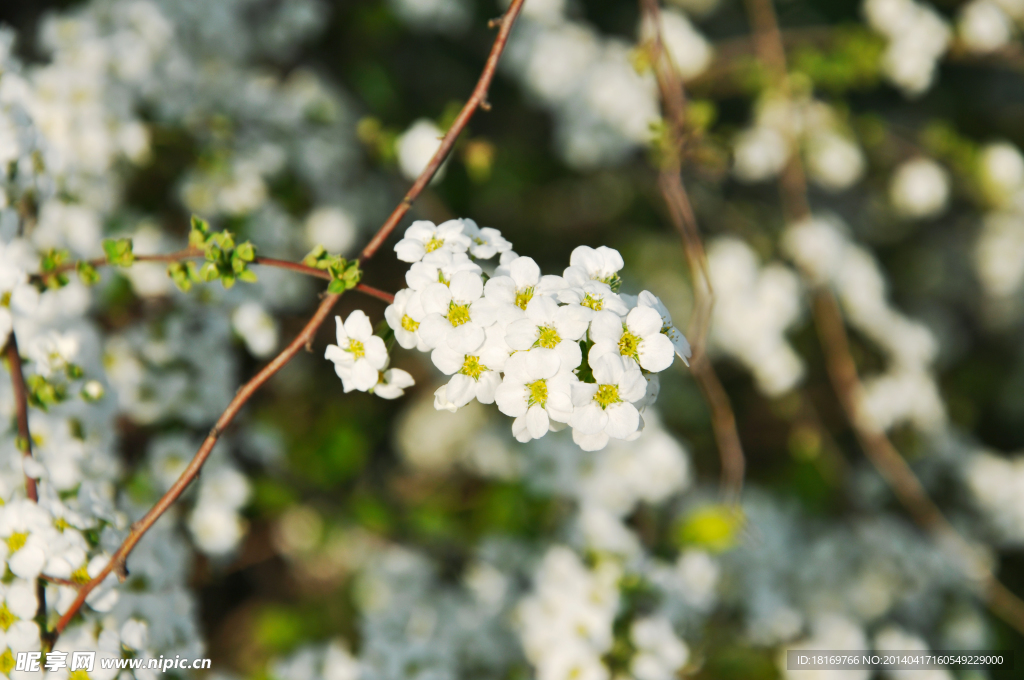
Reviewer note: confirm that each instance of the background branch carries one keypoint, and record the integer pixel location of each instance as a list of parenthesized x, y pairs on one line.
[(670, 181), (842, 368)]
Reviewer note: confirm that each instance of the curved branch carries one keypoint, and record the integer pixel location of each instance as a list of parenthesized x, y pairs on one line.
[(723, 419), (842, 369), (117, 563)]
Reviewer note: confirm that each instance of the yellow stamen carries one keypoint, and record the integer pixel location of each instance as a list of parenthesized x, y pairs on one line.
[(6, 662), (548, 337), (472, 367), (433, 244), (7, 617), (628, 344), (594, 303), (357, 349), (408, 323), (523, 297), (16, 541), (457, 314), (538, 390), (607, 395), (81, 576)]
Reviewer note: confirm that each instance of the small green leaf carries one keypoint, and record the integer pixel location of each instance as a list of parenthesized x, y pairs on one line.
[(336, 287), (247, 275), (87, 273), (246, 251), (119, 252)]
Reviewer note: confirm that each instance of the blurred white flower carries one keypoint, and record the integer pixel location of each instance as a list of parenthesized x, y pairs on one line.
[(416, 146), (919, 189)]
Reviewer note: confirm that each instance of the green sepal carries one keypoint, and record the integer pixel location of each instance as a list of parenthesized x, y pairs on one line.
[(119, 252)]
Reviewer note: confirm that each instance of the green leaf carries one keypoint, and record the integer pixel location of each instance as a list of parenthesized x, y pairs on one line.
[(246, 251), (87, 273), (119, 252), (336, 287), (182, 275), (247, 275)]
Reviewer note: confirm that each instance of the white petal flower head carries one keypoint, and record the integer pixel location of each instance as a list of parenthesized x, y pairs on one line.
[(359, 355), (404, 316), (393, 383), (638, 337), (535, 392), (519, 282), (919, 189), (484, 242), (441, 401), (594, 264), (679, 341), (595, 297), (26, 531), (605, 410), (424, 237), (476, 373), (456, 314), (439, 267), (552, 327)]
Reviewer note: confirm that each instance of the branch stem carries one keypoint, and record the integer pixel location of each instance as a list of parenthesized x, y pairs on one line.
[(117, 563)]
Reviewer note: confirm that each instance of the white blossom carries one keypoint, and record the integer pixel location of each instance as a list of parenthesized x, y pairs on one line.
[(637, 338), (424, 237), (550, 326), (919, 189), (359, 354), (535, 391), (604, 409)]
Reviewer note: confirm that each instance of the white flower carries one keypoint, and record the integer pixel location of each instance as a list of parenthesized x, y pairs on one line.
[(518, 284), (424, 237), (476, 373), (439, 267), (594, 296), (257, 328), (217, 529), (27, 532), (359, 354), (18, 607), (1002, 171), (484, 242), (679, 341), (984, 27), (404, 316), (660, 653), (332, 228), (605, 409), (535, 391), (416, 146), (457, 313), (688, 49), (834, 161), (919, 189), (593, 264), (441, 401), (637, 337), (759, 153), (21, 296), (552, 327), (392, 383), (52, 352)]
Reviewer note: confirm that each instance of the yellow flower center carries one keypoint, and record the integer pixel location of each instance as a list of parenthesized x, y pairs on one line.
[(79, 674), (538, 390), (16, 541), (628, 344), (61, 524), (594, 303), (607, 395), (81, 575), (408, 323), (548, 337), (442, 279), (472, 367), (7, 618), (5, 299), (6, 662), (433, 244), (457, 314), (523, 297), (613, 281), (357, 349)]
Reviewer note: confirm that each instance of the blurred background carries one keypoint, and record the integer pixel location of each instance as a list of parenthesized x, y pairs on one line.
[(333, 527)]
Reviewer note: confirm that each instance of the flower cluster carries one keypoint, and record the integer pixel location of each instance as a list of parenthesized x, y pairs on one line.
[(549, 350)]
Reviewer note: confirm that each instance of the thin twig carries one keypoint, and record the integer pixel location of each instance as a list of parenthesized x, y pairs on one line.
[(846, 383), (723, 420), (21, 410), (195, 253), (118, 559)]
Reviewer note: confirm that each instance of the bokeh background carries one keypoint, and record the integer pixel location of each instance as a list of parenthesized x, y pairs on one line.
[(415, 535)]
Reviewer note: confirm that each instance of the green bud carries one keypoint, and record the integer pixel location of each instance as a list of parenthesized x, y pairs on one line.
[(87, 273), (246, 251), (119, 252), (247, 275)]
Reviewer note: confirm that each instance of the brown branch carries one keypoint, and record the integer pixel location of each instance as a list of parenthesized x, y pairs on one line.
[(673, 99), (476, 100), (21, 410), (845, 381), (193, 253), (117, 563)]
